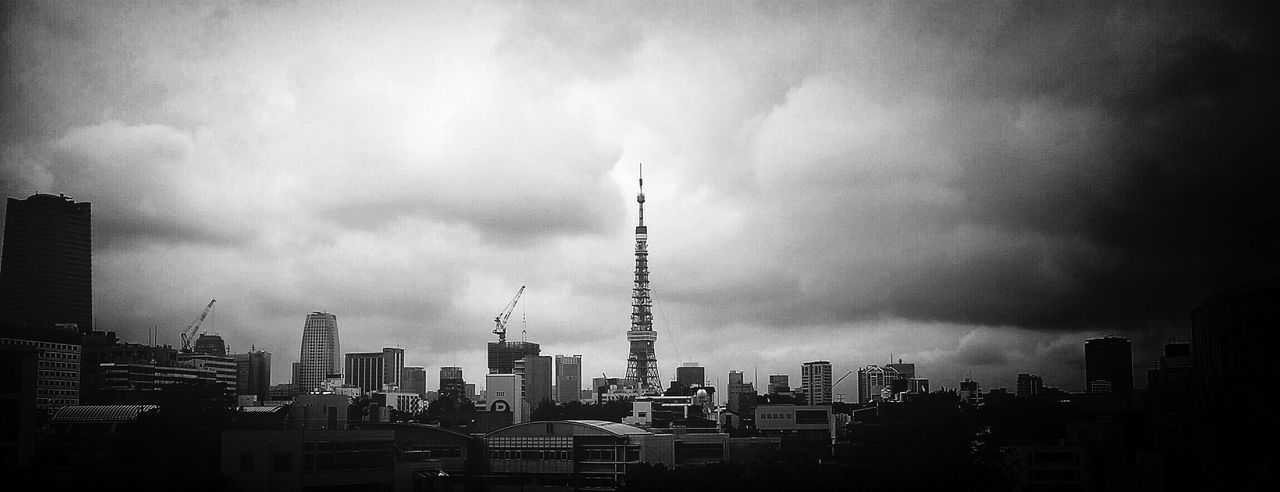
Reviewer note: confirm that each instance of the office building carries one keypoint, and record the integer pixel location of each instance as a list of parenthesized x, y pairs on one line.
[(1029, 385), (502, 394), (57, 382), (224, 368), (741, 395), (905, 371), (253, 373), (503, 355), (364, 370), (375, 371), (1233, 341), (210, 343), (1108, 365), (46, 272), (815, 378), (535, 377), (691, 374), (779, 384), (321, 352), (873, 381), (452, 385), (568, 377), (642, 362), (414, 380), (970, 392)]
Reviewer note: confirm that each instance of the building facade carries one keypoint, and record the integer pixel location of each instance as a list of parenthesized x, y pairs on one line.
[(691, 374), (57, 381), (321, 352), (535, 377), (873, 380), (779, 383), (414, 380), (452, 386), (503, 355), (212, 344), (1029, 385), (1108, 365), (568, 378), (46, 271), (253, 373), (815, 378), (375, 371)]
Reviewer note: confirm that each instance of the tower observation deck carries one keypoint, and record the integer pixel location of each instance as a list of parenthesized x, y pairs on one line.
[(642, 364)]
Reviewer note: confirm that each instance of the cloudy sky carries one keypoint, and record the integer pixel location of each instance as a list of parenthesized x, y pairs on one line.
[(974, 187)]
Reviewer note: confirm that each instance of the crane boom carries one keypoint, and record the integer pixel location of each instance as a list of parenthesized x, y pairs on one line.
[(500, 321), (841, 378), (189, 334)]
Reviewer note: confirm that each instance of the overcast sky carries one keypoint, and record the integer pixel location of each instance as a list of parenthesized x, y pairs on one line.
[(975, 187)]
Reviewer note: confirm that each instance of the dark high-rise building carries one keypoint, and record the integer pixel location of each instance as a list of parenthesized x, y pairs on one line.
[(253, 373), (642, 362), (211, 344), (414, 380), (452, 386), (1233, 343), (503, 355), (1029, 385), (46, 274), (568, 378), (1108, 365), (535, 378)]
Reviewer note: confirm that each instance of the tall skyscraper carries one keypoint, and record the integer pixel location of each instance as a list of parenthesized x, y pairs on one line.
[(451, 384), (690, 373), (642, 363), (741, 395), (414, 380), (321, 352), (815, 377), (503, 355), (568, 378), (46, 274), (1108, 365), (535, 379), (253, 373), (393, 367)]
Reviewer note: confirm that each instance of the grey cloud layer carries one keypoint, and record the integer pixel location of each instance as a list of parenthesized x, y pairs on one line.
[(812, 166)]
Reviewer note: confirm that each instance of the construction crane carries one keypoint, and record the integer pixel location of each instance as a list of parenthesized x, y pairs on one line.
[(189, 335), (500, 321), (841, 378)]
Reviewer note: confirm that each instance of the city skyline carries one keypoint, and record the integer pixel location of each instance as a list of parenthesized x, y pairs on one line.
[(905, 182)]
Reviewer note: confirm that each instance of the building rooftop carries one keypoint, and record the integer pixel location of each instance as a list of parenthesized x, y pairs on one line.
[(101, 413)]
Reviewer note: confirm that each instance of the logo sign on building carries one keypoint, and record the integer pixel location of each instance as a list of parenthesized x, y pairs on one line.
[(499, 406)]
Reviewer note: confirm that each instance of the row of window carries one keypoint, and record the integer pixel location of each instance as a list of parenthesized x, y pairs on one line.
[(59, 374), (528, 454), (61, 365), (776, 415), (59, 383), (43, 345), (56, 392)]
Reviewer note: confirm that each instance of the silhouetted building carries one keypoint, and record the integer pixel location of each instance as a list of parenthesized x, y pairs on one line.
[(212, 344), (535, 374), (20, 365), (46, 273), (568, 378), (691, 374), (970, 392), (321, 352), (1172, 419), (1234, 339), (1108, 365), (503, 355), (414, 380), (815, 378), (253, 373), (741, 396), (1029, 385), (452, 385)]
